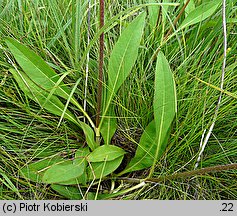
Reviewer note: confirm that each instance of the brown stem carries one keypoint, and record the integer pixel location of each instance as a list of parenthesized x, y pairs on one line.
[(187, 174), (101, 63), (176, 20)]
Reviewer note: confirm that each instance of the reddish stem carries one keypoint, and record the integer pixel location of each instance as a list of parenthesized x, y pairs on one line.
[(101, 63), (176, 20)]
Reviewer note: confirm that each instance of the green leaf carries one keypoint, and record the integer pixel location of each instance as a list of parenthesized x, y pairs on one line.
[(99, 170), (39, 95), (82, 179), (190, 7), (165, 102), (79, 161), (89, 134), (36, 68), (144, 156), (145, 153), (51, 103), (5, 180), (64, 171), (108, 126), (40, 72), (124, 55), (73, 193), (82, 152), (229, 20), (200, 13), (105, 153), (36, 170), (153, 12), (68, 192), (164, 11), (155, 137), (121, 61)]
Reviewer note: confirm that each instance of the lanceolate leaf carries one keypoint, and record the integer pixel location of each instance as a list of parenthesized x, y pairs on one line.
[(190, 7), (144, 156), (89, 134), (164, 11), (42, 84), (40, 72), (153, 12), (121, 61), (36, 68), (105, 153), (51, 103), (165, 101), (124, 55), (145, 153), (154, 139), (199, 14), (39, 95)]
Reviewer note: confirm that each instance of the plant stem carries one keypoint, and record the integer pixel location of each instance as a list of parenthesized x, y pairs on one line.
[(218, 168), (143, 182), (101, 63), (176, 19), (204, 143)]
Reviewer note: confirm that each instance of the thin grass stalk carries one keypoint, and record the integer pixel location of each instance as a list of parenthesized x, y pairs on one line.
[(183, 175), (88, 55), (101, 63), (204, 143)]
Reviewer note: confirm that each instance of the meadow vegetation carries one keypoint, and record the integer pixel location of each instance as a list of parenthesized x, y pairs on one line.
[(46, 119)]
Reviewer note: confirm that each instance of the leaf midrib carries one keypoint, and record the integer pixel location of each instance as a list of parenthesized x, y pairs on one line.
[(116, 80), (38, 68)]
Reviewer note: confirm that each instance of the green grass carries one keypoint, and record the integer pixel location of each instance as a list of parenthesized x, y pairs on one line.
[(27, 133)]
